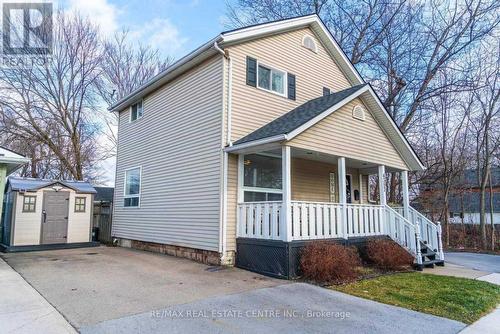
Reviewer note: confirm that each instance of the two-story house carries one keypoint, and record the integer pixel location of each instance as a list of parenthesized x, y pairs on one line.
[(257, 142)]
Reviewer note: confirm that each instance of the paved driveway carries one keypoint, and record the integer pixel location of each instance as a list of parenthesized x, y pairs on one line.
[(291, 308), (90, 285), (117, 290), (481, 262)]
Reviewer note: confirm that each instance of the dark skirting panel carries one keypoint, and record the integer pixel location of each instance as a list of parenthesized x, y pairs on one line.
[(281, 259), (33, 248)]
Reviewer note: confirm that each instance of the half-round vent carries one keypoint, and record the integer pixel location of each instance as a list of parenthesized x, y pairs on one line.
[(309, 43), (358, 112)]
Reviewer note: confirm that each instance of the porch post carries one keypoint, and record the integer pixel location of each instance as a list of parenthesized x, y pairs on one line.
[(381, 185), (343, 196), (240, 194), (406, 196), (286, 210)]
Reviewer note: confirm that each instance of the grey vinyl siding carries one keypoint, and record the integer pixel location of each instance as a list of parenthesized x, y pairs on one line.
[(177, 143)]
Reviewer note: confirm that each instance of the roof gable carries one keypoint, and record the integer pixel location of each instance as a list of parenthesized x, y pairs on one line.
[(305, 116), (241, 35), (301, 115)]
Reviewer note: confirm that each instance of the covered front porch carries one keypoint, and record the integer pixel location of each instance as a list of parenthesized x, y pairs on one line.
[(293, 194)]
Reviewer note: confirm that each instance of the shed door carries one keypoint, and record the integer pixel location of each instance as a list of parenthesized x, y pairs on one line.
[(55, 217)]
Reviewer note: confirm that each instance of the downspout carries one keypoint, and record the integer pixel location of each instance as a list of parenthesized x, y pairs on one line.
[(223, 246)]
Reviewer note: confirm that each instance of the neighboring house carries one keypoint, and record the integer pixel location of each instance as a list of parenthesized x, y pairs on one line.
[(255, 143), (464, 204), (46, 214), (9, 162)]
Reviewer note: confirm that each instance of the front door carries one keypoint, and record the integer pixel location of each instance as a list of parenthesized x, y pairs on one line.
[(55, 217), (348, 186)]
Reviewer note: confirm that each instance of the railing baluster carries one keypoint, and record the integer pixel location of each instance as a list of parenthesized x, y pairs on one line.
[(265, 222)]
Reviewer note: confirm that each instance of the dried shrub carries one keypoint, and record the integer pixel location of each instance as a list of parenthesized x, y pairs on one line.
[(388, 255), (329, 263)]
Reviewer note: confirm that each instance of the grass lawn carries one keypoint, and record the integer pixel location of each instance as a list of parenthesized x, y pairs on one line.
[(461, 299)]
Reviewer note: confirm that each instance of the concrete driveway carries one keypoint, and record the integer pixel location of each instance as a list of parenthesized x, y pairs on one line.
[(117, 290), (90, 285), (291, 308), (476, 261)]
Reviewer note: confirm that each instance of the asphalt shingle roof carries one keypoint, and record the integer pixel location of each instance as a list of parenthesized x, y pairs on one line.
[(21, 183), (298, 116)]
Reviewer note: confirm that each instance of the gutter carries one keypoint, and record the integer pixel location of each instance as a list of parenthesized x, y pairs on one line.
[(256, 142), (225, 158)]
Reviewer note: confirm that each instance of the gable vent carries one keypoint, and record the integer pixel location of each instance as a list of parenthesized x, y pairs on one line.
[(309, 43), (358, 112)]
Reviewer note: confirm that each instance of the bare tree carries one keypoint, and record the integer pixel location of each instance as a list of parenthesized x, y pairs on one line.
[(486, 122), (52, 106), (125, 68)]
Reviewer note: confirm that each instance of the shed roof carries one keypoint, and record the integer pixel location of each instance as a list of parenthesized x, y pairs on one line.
[(31, 184)]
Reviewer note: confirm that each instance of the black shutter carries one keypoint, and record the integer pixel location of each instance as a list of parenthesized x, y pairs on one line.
[(291, 86), (251, 72), (326, 91)]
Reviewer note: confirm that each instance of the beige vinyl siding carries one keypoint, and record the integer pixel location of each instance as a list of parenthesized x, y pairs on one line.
[(178, 145), (254, 107), (27, 225), (232, 201), (364, 192), (311, 180), (340, 134), (79, 222)]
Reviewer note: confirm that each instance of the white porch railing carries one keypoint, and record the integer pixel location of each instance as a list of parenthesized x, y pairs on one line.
[(430, 233), (260, 220), (364, 220), (403, 231), (318, 220)]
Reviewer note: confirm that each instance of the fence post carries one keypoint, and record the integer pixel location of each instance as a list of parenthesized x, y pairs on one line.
[(440, 241)]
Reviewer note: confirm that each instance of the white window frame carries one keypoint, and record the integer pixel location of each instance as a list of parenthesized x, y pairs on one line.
[(272, 68), (125, 188), (141, 101), (258, 189)]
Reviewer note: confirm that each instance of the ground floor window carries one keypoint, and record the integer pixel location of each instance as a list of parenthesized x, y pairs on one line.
[(262, 177), (132, 187)]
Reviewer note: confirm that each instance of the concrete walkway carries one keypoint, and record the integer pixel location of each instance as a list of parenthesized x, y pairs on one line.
[(488, 324), (24, 310), (482, 267), (291, 308)]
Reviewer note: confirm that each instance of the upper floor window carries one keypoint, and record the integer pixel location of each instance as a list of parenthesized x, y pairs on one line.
[(136, 111), (132, 191), (309, 43), (271, 79)]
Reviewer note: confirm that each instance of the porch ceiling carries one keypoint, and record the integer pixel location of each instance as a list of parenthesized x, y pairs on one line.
[(365, 166)]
